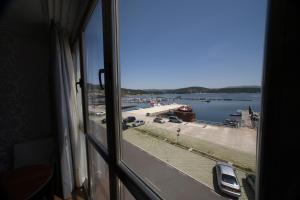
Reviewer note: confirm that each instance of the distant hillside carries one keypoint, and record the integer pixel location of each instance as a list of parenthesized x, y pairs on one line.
[(186, 90), (125, 91), (236, 90)]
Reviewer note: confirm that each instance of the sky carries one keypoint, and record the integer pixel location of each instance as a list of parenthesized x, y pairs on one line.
[(167, 44)]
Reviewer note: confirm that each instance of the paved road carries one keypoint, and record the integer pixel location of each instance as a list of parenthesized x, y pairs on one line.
[(198, 167), (169, 182), (166, 180)]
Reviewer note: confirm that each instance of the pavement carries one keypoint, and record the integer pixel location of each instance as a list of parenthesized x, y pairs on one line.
[(168, 181), (173, 172), (242, 139)]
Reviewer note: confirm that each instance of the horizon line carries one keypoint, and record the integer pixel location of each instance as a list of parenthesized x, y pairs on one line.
[(238, 86)]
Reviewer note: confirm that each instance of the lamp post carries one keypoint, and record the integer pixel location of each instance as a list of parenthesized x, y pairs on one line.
[(178, 131)]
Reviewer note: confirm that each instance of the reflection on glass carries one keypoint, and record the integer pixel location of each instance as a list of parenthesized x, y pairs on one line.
[(99, 176), (190, 79), (93, 48)]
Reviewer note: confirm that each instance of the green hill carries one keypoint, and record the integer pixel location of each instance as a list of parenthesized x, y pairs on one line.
[(186, 90)]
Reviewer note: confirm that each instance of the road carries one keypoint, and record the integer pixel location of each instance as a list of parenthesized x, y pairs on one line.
[(168, 181)]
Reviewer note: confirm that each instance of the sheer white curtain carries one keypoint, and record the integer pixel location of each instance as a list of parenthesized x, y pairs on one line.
[(71, 140), (79, 138)]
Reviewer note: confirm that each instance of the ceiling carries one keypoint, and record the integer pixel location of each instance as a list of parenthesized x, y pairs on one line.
[(23, 12), (67, 13)]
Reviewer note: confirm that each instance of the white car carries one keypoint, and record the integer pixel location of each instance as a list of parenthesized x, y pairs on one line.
[(138, 123), (100, 113), (227, 179)]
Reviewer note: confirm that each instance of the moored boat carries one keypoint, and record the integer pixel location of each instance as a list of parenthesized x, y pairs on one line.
[(185, 113), (236, 114)]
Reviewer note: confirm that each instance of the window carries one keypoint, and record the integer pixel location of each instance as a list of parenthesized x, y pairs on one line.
[(95, 107), (124, 193), (198, 66), (99, 175), (94, 63), (180, 90), (229, 179)]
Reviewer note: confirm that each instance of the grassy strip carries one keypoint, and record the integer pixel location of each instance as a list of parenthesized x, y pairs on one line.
[(241, 160)]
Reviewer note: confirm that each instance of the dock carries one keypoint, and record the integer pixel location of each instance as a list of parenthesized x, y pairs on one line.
[(156, 109), (246, 121)]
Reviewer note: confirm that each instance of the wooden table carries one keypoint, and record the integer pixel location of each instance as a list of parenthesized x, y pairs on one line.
[(25, 182)]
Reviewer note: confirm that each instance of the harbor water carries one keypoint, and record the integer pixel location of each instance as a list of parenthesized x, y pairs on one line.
[(211, 107)]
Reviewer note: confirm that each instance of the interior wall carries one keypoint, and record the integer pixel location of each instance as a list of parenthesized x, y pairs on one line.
[(25, 102)]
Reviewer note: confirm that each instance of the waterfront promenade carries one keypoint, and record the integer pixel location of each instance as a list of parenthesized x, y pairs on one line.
[(242, 138)]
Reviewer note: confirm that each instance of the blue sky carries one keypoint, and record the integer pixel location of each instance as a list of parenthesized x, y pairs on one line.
[(176, 43), (166, 44)]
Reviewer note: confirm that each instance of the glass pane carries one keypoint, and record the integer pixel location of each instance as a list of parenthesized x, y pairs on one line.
[(93, 51), (191, 80), (99, 176), (125, 194)]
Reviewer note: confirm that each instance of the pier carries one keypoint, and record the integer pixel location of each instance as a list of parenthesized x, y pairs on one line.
[(246, 121), (156, 109)]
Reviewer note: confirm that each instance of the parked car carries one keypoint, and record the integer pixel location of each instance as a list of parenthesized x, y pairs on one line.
[(100, 113), (138, 123), (174, 119), (147, 114), (129, 119), (250, 178), (227, 179), (158, 120), (124, 126), (169, 113), (231, 123)]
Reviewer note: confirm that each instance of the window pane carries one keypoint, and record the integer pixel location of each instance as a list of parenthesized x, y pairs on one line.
[(125, 194), (93, 50), (99, 176), (190, 83)]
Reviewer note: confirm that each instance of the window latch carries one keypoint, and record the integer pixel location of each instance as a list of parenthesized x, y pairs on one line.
[(80, 83), (101, 71)]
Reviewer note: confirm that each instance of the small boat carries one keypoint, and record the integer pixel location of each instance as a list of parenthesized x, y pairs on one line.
[(236, 114)]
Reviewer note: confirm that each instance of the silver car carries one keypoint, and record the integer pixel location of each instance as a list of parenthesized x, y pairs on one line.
[(227, 179), (174, 119), (158, 120)]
